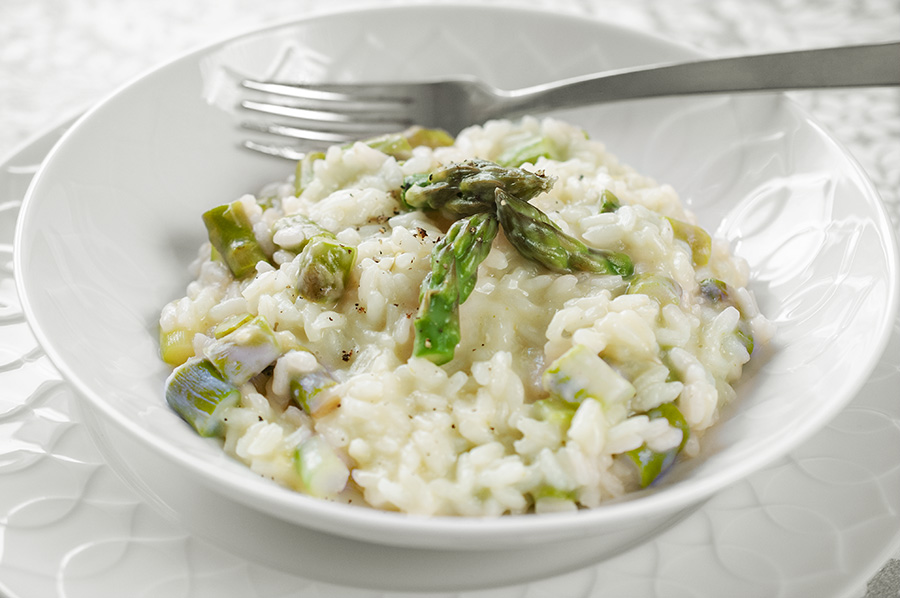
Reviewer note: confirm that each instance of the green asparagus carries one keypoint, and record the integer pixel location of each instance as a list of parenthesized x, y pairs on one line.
[(304, 173), (554, 410), (231, 235), (245, 352), (176, 346), (609, 202), (454, 268), (580, 373), (661, 289), (718, 293), (466, 188), (305, 389), (325, 266), (539, 239), (697, 239), (200, 394), (527, 149), (321, 470), (652, 464)]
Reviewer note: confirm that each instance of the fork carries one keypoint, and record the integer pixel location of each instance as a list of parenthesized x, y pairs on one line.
[(329, 113)]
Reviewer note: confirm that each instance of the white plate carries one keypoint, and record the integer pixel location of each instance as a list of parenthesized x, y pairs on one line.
[(817, 523), (755, 168)]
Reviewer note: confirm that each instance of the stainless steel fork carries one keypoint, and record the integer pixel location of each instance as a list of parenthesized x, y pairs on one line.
[(326, 113)]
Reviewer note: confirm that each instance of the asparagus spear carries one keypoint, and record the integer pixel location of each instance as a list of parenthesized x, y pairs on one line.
[(325, 266), (466, 188), (231, 235), (199, 393), (454, 267), (539, 239)]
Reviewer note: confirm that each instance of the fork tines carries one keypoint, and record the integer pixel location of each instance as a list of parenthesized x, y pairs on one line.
[(318, 115)]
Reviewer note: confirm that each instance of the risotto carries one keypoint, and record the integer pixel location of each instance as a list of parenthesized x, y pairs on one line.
[(510, 321)]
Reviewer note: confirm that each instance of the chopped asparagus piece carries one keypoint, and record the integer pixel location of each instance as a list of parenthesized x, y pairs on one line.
[(177, 346), (231, 234), (454, 269), (304, 173), (325, 266), (609, 202), (420, 136), (245, 352), (580, 373), (716, 291), (466, 188), (230, 324), (528, 148), (306, 388), (554, 410), (539, 239), (392, 144), (400, 145), (661, 289), (200, 394), (697, 239), (652, 464), (552, 492), (719, 293), (321, 470)]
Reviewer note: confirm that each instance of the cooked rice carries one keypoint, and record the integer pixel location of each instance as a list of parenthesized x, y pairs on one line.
[(462, 439)]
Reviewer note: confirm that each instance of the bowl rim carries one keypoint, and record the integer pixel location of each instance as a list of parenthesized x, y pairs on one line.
[(671, 499)]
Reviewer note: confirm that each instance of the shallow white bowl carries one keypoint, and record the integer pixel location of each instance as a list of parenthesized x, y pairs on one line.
[(113, 219)]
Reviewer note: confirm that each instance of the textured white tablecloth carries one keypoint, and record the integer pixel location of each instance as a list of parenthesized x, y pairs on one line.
[(57, 57)]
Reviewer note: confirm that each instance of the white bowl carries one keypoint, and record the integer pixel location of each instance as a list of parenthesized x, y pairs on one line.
[(112, 220)]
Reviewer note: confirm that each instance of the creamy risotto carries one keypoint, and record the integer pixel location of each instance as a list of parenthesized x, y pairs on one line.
[(511, 321)]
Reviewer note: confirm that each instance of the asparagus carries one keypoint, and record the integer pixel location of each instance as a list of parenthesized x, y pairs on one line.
[(661, 289), (245, 352), (528, 149), (467, 188), (652, 464), (697, 239), (231, 235), (304, 173), (580, 373), (321, 470), (554, 410), (325, 266), (539, 239), (200, 394), (306, 387), (454, 268), (609, 202), (176, 346), (719, 293)]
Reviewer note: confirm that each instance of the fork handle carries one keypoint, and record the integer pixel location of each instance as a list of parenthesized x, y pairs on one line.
[(848, 66)]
